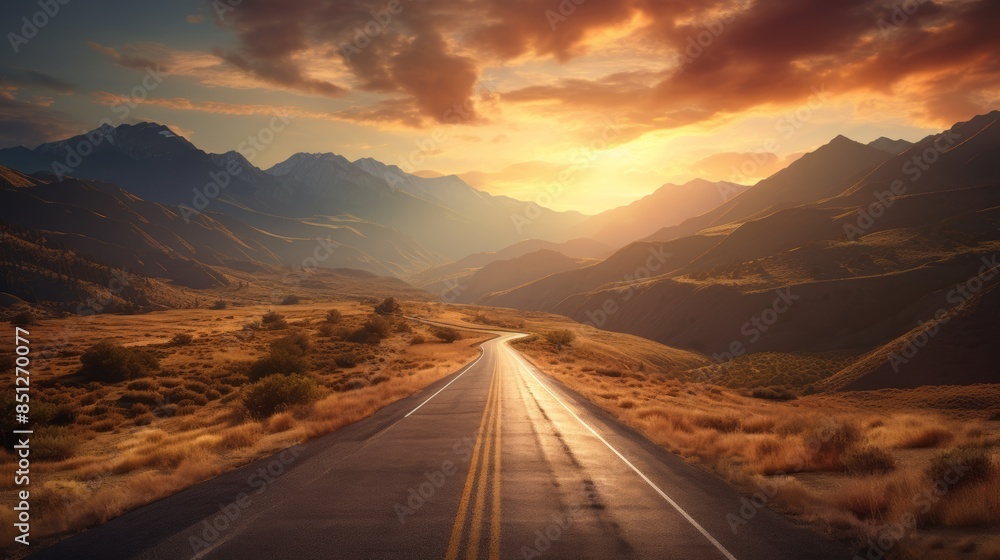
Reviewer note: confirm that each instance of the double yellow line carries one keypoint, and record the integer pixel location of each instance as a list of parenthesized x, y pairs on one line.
[(485, 454)]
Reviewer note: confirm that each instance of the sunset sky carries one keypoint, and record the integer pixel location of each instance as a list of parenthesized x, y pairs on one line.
[(628, 94)]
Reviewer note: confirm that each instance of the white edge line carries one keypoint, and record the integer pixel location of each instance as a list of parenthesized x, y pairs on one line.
[(662, 494), (482, 353)]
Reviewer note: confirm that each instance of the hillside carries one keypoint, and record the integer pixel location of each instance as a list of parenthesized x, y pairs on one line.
[(803, 262)]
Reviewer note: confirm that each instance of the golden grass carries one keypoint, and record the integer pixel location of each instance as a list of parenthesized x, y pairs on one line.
[(134, 442), (849, 463)]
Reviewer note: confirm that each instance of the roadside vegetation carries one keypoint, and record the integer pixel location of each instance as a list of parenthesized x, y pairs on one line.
[(136, 408), (854, 465)]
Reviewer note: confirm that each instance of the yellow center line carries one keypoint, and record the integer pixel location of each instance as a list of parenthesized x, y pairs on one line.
[(457, 528), (472, 550)]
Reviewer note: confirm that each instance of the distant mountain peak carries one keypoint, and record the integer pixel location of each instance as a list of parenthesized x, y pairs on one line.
[(894, 147)]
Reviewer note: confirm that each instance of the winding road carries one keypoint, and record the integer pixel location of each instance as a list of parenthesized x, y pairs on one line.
[(495, 461)]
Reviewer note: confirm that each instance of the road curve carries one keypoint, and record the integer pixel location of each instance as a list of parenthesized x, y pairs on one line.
[(495, 461)]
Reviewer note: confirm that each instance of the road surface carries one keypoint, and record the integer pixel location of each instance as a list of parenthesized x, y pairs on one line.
[(495, 461)]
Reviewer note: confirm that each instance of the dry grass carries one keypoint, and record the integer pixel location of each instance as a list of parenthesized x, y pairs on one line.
[(132, 442), (852, 464)]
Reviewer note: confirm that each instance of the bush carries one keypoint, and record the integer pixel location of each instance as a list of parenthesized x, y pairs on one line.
[(327, 330), (346, 360), (774, 393), (273, 321), (276, 393), (388, 307), (403, 327), (110, 362), (960, 466), (53, 443), (219, 305), (296, 343), (291, 300), (280, 360), (446, 334), (868, 460), (24, 319), (374, 330), (334, 317), (560, 338), (417, 339), (181, 339)]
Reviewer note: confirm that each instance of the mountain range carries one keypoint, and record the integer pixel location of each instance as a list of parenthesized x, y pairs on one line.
[(850, 249)]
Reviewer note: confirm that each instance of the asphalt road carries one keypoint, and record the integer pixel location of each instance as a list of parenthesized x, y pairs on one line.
[(495, 461)]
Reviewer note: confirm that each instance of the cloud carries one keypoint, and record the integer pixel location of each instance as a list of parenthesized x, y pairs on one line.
[(131, 59), (29, 124), (387, 112), (26, 77), (939, 62), (730, 166)]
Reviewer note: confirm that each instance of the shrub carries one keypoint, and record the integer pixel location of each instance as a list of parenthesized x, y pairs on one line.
[(960, 466), (560, 338), (868, 460), (141, 385), (276, 393), (346, 360), (296, 342), (219, 305), (774, 393), (110, 362), (291, 300), (274, 321), (327, 330), (389, 306), (334, 317), (446, 334), (374, 330), (417, 339), (280, 360), (53, 443), (24, 319), (609, 372), (403, 327), (181, 339)]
